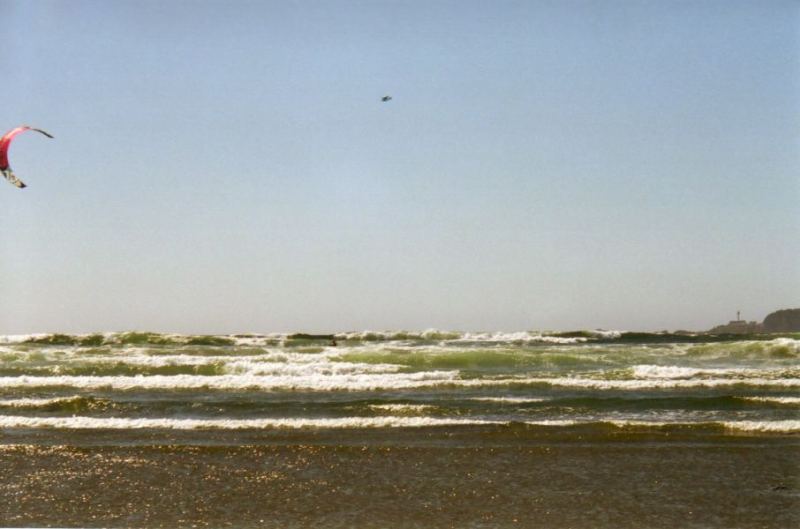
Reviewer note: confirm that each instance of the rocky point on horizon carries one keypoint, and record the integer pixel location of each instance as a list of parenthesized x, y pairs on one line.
[(784, 320)]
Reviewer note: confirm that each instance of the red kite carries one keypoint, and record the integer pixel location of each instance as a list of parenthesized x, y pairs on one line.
[(5, 143)]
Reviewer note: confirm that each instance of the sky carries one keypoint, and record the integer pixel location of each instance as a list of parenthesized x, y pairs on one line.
[(223, 167)]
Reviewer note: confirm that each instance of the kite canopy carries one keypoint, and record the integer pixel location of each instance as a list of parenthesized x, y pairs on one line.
[(5, 143)]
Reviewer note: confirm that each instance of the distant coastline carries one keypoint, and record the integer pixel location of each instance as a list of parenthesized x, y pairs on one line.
[(784, 320)]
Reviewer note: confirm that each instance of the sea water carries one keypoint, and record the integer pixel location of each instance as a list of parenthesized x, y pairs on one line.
[(377, 429)]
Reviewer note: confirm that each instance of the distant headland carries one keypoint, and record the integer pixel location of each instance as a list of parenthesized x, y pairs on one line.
[(784, 320)]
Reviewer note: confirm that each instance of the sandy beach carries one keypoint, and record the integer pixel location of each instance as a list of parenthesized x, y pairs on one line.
[(568, 485)]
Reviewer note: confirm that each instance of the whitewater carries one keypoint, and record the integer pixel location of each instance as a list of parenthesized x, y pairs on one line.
[(605, 380)]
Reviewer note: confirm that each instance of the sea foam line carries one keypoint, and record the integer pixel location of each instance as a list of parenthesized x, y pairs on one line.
[(782, 426), (403, 408), (511, 400), (321, 382), (600, 384), (775, 400), (368, 382), (36, 403), (521, 337), (94, 423)]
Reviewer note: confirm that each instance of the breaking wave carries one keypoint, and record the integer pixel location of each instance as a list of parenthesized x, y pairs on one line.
[(93, 423), (426, 336), (595, 380), (789, 401), (60, 404), (371, 382)]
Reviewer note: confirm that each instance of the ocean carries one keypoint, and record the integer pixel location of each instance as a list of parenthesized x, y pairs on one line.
[(400, 429)]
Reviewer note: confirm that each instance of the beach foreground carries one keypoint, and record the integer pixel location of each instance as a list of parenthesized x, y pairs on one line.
[(597, 484)]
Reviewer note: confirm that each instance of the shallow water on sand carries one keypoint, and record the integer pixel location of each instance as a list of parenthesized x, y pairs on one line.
[(557, 485)]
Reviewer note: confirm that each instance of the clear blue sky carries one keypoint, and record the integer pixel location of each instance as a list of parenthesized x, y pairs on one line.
[(229, 167)]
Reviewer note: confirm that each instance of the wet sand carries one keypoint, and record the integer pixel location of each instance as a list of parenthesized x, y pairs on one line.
[(620, 485)]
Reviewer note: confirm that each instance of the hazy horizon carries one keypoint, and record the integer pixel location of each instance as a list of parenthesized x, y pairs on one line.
[(230, 167), (328, 331)]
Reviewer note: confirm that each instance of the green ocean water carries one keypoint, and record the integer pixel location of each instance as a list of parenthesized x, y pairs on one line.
[(134, 381)]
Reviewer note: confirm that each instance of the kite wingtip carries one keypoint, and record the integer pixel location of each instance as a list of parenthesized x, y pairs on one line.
[(38, 130)]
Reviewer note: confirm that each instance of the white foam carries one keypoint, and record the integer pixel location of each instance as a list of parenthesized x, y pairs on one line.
[(787, 426), (268, 364), (453, 337), (94, 423), (20, 338), (556, 422), (255, 340), (602, 333), (511, 400), (320, 382), (34, 403), (789, 342), (308, 369), (403, 408), (366, 382), (397, 336), (664, 383), (776, 400), (436, 334), (517, 338)]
